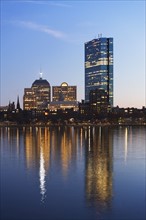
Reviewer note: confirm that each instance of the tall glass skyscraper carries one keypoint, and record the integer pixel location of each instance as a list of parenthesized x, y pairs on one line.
[(99, 67)]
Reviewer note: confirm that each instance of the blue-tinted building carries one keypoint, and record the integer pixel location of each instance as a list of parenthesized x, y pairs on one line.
[(99, 67)]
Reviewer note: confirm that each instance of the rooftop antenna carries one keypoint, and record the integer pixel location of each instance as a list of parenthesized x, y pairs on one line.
[(100, 35), (41, 73)]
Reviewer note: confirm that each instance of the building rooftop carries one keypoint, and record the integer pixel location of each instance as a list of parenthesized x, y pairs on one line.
[(41, 81), (64, 103)]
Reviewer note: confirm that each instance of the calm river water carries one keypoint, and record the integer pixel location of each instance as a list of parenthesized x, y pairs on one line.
[(66, 173)]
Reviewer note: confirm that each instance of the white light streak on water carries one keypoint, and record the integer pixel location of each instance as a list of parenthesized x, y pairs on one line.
[(42, 175)]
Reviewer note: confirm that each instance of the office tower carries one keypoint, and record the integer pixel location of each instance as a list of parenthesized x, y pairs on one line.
[(29, 99), (38, 96), (99, 67), (64, 92)]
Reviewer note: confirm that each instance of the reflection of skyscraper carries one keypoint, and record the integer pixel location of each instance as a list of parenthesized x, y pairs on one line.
[(98, 178), (99, 67)]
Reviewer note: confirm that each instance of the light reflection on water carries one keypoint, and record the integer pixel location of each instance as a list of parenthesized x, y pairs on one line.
[(42, 175), (99, 165), (126, 144), (88, 161)]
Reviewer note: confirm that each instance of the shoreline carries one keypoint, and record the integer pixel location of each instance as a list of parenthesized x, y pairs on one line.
[(84, 125)]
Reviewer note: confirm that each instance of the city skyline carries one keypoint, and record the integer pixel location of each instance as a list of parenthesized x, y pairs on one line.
[(51, 35)]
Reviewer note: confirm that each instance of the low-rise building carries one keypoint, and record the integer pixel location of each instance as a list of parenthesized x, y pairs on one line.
[(64, 92), (63, 105)]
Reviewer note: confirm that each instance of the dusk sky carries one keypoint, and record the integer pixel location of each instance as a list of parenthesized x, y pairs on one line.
[(51, 34)]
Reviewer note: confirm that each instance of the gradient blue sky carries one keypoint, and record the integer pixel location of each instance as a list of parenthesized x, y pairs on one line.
[(51, 34)]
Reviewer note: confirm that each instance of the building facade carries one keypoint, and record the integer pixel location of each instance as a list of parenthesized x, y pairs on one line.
[(98, 101), (63, 105), (99, 67), (38, 96), (64, 92)]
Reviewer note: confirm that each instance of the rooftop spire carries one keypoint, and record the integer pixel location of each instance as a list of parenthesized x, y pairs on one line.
[(41, 73), (18, 103), (100, 35)]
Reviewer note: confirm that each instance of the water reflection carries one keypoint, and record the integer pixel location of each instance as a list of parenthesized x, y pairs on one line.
[(37, 152), (99, 166), (124, 136), (42, 175), (9, 139), (46, 148), (61, 148), (72, 167), (126, 143), (64, 148)]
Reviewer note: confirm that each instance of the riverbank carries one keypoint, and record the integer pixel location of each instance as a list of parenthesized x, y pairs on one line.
[(78, 124)]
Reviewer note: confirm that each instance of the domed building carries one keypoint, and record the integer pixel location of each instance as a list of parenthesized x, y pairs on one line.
[(38, 96)]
